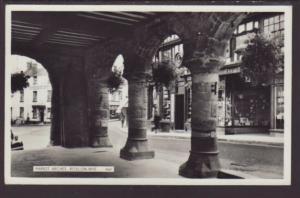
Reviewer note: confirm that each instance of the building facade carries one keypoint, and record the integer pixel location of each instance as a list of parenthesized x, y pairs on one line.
[(117, 100), (241, 107), (33, 104)]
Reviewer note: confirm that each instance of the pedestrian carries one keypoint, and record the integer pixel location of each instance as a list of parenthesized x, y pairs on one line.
[(122, 117), (156, 120)]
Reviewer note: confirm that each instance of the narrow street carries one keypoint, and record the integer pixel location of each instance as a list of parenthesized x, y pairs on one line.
[(251, 159)]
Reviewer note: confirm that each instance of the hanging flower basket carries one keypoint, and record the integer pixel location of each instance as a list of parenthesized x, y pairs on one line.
[(262, 60), (114, 82), (164, 74)]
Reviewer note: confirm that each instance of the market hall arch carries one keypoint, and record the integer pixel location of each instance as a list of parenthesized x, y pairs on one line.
[(32, 104), (204, 37), (99, 61), (68, 105)]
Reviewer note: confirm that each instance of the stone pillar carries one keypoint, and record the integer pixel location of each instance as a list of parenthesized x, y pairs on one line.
[(74, 121), (137, 144), (99, 136), (203, 161), (55, 131), (55, 136)]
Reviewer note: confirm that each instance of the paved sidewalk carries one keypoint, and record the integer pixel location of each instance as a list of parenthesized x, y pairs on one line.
[(257, 139)]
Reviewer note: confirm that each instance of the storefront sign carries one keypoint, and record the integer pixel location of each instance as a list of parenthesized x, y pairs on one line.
[(230, 71)]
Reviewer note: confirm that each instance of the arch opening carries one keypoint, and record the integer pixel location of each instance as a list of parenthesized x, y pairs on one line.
[(118, 96), (31, 103), (170, 91)]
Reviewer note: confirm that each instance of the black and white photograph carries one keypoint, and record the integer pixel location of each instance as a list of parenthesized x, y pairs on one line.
[(148, 94)]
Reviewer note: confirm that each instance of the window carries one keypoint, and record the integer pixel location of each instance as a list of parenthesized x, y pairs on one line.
[(34, 96), (21, 112), (274, 25), (34, 112), (279, 107), (49, 95), (232, 48), (34, 80), (249, 26), (22, 96), (241, 28), (49, 112)]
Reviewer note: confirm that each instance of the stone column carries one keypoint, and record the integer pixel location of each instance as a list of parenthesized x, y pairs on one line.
[(55, 131), (203, 161), (55, 136), (203, 58), (137, 144), (75, 118), (100, 114)]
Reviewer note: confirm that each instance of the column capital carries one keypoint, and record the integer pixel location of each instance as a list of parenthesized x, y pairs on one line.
[(138, 77), (204, 54)]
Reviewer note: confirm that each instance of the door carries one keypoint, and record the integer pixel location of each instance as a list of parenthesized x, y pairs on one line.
[(179, 111), (42, 114)]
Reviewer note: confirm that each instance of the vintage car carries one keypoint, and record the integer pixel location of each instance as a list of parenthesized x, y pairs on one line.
[(15, 144)]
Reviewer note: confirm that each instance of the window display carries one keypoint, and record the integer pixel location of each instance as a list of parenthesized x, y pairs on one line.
[(279, 107)]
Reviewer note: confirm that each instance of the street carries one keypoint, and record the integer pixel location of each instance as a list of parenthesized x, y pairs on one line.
[(259, 161)]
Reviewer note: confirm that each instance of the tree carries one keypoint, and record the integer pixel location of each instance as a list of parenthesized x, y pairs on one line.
[(19, 81), (115, 80), (262, 60)]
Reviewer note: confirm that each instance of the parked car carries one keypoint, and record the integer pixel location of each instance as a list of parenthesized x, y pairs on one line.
[(15, 143)]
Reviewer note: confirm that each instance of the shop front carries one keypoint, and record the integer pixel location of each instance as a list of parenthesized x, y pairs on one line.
[(243, 108)]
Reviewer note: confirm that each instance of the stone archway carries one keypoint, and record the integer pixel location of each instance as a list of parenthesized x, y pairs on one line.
[(205, 37), (32, 105)]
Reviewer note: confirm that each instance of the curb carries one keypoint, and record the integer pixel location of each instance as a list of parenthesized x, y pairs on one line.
[(248, 142), (223, 140)]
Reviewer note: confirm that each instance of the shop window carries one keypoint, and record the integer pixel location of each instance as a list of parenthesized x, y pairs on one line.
[(279, 107), (251, 108)]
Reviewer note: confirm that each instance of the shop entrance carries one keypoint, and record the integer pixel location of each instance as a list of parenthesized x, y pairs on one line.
[(179, 111)]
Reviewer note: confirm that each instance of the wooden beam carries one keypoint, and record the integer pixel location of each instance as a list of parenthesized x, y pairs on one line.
[(69, 21), (80, 34), (128, 14), (114, 16), (68, 41), (27, 33), (103, 19)]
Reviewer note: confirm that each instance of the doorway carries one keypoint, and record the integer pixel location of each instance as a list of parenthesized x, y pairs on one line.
[(179, 111)]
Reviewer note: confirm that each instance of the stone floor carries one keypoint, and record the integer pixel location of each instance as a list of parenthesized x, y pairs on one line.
[(23, 162)]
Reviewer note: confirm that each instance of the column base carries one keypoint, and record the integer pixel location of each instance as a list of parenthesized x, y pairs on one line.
[(200, 165), (100, 142), (53, 143), (135, 150)]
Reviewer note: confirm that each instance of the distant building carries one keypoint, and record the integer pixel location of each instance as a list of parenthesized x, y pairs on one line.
[(117, 100), (33, 104)]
